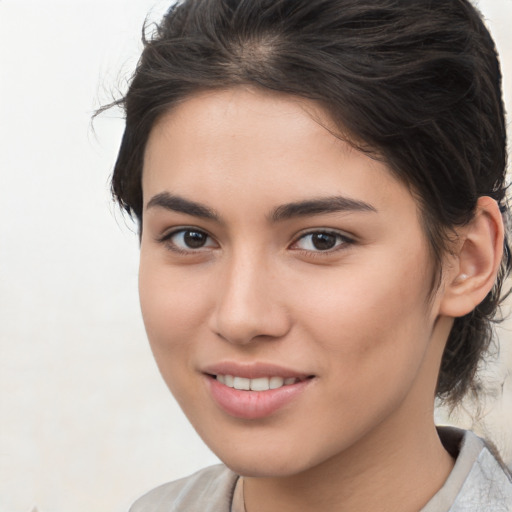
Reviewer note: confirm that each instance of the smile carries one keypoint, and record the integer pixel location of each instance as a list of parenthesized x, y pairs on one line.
[(256, 397), (258, 384)]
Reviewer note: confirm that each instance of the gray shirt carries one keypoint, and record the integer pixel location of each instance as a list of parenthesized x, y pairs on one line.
[(477, 483)]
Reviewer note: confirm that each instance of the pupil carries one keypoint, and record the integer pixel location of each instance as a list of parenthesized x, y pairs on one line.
[(194, 239), (324, 241)]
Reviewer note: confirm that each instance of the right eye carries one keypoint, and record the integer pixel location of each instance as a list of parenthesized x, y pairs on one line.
[(188, 240)]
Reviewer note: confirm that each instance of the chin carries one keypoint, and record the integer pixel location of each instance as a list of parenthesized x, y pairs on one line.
[(267, 463), (264, 468)]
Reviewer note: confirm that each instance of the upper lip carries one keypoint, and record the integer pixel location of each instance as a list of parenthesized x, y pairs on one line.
[(253, 370)]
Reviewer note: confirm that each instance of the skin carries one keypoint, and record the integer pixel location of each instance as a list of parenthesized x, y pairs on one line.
[(358, 317)]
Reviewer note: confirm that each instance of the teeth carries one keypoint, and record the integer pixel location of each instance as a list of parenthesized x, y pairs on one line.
[(275, 382), (242, 383), (259, 384)]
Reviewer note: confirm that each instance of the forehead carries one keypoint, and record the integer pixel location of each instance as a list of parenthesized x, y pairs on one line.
[(268, 148), (242, 116)]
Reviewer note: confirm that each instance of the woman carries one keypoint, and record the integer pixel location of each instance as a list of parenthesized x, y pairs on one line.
[(319, 186)]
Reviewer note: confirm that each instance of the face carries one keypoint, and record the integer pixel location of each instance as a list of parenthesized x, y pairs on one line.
[(284, 283)]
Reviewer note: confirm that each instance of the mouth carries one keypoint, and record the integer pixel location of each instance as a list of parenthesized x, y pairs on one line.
[(257, 384), (261, 391)]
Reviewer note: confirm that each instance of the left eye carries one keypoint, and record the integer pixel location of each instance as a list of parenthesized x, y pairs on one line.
[(320, 241), (190, 239)]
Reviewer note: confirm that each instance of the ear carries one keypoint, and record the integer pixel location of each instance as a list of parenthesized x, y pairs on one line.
[(476, 261)]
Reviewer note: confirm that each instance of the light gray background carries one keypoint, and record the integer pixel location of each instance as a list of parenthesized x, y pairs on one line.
[(86, 424)]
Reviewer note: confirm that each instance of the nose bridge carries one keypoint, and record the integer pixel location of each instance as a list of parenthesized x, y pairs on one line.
[(247, 306)]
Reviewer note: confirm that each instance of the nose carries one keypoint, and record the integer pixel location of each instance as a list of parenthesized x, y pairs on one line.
[(247, 306)]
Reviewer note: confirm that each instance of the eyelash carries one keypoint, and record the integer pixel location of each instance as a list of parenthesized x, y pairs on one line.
[(167, 240), (342, 241)]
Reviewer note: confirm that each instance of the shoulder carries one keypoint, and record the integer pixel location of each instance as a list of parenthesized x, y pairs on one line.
[(488, 484), (478, 481), (208, 490)]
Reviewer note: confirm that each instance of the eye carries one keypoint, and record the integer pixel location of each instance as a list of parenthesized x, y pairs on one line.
[(188, 240), (321, 241)]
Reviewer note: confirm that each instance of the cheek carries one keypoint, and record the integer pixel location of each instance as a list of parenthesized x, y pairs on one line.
[(173, 312), (173, 306), (375, 325)]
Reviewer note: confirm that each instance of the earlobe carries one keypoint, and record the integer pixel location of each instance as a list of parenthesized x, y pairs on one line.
[(476, 262)]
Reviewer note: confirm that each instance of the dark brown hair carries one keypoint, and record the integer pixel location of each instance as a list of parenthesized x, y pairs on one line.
[(415, 83)]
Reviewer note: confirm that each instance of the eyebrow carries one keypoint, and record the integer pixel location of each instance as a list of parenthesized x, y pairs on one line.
[(320, 206), (182, 205), (286, 211)]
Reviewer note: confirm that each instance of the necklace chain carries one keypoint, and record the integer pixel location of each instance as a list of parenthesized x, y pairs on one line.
[(243, 494)]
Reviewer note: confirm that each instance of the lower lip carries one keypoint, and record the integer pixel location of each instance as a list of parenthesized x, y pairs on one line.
[(252, 405)]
